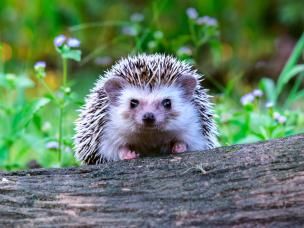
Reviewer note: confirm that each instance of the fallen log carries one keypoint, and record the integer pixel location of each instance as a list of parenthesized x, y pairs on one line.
[(241, 185)]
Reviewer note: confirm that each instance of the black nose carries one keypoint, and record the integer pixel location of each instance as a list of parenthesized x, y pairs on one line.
[(148, 118)]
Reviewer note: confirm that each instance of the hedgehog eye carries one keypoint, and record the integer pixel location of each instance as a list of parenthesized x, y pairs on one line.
[(166, 103), (134, 103)]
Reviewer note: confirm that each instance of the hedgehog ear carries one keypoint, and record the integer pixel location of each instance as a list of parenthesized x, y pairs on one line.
[(188, 84), (112, 87)]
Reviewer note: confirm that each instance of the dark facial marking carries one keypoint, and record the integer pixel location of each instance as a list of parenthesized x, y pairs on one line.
[(148, 118), (166, 103), (134, 103)]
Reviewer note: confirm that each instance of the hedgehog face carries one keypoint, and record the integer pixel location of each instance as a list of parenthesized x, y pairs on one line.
[(148, 109), (145, 108)]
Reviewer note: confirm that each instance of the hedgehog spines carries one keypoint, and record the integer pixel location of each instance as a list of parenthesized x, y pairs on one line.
[(140, 70)]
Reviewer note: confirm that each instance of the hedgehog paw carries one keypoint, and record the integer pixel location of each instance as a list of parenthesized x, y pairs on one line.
[(126, 154), (179, 147)]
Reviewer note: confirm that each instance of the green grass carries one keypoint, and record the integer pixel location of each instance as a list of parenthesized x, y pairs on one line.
[(270, 116)]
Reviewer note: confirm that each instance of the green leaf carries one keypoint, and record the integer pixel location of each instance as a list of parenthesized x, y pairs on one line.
[(26, 114), (292, 61), (24, 82), (216, 51), (268, 86), (289, 75), (72, 54), (298, 96), (3, 152), (37, 121), (295, 90)]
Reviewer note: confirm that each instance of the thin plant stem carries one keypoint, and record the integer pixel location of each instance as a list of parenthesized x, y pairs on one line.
[(49, 90), (60, 116), (65, 71), (1, 60), (60, 133), (194, 39), (61, 108), (1, 68), (8, 144)]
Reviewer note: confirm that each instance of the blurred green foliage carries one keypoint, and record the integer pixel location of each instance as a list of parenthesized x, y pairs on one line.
[(239, 46), (248, 29)]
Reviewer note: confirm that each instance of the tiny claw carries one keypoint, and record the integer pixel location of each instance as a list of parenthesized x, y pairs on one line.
[(179, 147), (127, 154)]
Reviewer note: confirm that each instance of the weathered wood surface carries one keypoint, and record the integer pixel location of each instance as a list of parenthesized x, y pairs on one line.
[(256, 184)]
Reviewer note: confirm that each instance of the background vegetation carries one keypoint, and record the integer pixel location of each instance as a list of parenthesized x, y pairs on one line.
[(242, 47)]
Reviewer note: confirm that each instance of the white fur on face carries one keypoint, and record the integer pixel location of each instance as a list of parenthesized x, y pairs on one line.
[(149, 102), (180, 123)]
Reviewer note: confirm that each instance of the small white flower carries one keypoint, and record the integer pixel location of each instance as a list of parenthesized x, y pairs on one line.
[(184, 50), (257, 93), (130, 31), (269, 104), (11, 77), (192, 13), (39, 65), (67, 90), (59, 40), (158, 35), (137, 17), (247, 99), (46, 126), (73, 42), (276, 115), (152, 44), (68, 150), (52, 145), (206, 20), (279, 118), (282, 119)]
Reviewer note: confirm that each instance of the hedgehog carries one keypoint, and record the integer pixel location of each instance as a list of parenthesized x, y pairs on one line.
[(144, 105)]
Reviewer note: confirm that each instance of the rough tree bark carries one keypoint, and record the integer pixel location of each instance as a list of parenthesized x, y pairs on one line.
[(255, 184)]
